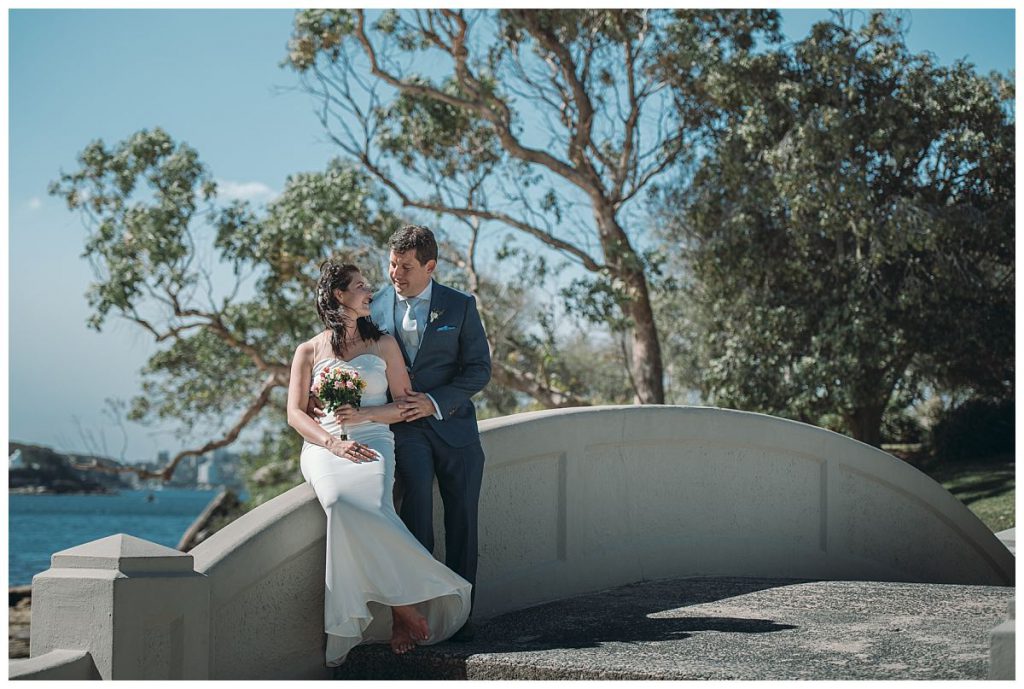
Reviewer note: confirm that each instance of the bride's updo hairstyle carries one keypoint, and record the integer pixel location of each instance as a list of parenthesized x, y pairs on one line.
[(334, 275)]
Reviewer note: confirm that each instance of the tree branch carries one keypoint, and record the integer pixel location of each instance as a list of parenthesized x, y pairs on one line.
[(530, 384), (465, 212), (492, 109), (216, 325), (165, 473), (581, 138), (161, 336), (624, 164)]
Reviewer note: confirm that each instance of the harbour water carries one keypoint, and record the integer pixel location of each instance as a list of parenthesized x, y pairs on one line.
[(40, 525)]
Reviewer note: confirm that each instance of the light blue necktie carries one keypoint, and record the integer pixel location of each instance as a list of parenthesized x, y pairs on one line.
[(410, 328)]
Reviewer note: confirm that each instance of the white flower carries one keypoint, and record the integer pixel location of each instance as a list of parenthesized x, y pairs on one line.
[(434, 315)]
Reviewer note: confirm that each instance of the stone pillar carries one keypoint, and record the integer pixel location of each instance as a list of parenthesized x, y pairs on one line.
[(137, 607), (1001, 646)]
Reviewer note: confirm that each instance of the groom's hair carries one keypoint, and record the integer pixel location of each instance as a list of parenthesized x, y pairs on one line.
[(415, 237)]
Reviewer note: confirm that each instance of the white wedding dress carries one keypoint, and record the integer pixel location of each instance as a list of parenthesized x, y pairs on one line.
[(373, 561)]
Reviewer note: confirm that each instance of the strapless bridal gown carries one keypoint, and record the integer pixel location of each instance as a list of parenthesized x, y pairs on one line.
[(373, 561)]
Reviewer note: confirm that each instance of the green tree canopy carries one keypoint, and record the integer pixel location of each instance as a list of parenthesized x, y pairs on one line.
[(850, 237)]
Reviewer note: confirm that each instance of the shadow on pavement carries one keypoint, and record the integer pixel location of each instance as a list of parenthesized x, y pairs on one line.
[(643, 612)]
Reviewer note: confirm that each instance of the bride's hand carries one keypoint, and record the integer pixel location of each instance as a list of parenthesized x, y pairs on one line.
[(348, 414), (351, 450)]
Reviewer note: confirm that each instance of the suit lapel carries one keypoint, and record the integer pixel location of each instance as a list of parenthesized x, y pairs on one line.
[(436, 298)]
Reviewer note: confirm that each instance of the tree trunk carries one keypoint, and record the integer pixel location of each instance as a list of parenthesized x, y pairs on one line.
[(645, 365), (865, 423)]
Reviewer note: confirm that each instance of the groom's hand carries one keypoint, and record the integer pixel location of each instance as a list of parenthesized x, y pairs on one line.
[(415, 405), (315, 408)]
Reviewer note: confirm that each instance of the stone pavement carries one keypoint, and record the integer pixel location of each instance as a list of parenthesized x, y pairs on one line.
[(721, 628)]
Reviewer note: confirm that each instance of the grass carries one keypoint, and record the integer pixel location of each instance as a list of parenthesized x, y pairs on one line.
[(986, 487)]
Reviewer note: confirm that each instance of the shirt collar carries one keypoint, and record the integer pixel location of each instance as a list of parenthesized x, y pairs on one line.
[(424, 295)]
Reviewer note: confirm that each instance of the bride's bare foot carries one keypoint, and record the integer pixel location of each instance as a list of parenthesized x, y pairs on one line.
[(401, 641), (412, 621)]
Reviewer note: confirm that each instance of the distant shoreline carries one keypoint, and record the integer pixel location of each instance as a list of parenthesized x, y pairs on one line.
[(43, 490)]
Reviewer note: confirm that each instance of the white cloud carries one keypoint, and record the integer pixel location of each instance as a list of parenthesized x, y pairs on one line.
[(35, 203), (257, 192)]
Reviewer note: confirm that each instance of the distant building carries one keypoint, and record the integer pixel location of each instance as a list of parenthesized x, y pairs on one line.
[(209, 474), (220, 469), (148, 483), (186, 473), (213, 470)]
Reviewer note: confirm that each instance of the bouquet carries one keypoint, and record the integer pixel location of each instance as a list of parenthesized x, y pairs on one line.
[(338, 386)]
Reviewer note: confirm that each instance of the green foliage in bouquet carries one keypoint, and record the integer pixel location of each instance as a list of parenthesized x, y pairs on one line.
[(337, 387)]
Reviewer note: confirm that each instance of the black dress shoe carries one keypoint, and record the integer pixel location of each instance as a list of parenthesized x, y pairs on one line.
[(466, 634)]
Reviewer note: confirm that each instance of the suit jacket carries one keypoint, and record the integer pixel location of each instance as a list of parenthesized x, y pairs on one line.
[(453, 362)]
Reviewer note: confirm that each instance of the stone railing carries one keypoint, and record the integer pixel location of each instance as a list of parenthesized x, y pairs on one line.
[(583, 499), (573, 501), (266, 573)]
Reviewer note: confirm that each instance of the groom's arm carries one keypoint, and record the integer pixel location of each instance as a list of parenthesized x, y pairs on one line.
[(474, 364)]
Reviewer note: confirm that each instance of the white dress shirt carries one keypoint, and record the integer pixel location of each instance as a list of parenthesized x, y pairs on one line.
[(421, 311)]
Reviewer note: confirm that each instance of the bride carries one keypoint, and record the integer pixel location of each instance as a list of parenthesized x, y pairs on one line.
[(381, 584)]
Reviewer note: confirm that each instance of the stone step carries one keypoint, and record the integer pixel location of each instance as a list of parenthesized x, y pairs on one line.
[(721, 628)]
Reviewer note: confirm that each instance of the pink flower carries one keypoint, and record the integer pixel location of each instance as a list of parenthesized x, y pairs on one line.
[(337, 385), (349, 385)]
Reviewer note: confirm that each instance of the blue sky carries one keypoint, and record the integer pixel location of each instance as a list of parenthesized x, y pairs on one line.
[(210, 78)]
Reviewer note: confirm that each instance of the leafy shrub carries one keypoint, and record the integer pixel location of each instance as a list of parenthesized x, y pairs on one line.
[(901, 427), (974, 430)]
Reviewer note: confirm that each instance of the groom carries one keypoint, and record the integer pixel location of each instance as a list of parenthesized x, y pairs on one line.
[(446, 352)]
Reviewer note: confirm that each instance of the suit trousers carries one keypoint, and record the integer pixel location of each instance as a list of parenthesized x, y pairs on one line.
[(420, 454)]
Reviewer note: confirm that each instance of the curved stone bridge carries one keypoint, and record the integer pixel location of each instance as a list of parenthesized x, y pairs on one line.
[(574, 500)]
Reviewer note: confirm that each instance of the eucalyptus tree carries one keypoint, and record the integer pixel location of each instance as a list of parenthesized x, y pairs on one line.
[(225, 291), (554, 124), (156, 235), (850, 238)]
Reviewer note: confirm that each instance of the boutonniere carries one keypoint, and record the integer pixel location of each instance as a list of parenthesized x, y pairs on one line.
[(434, 315)]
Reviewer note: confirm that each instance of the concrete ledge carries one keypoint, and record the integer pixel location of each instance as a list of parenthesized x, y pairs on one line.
[(58, 664)]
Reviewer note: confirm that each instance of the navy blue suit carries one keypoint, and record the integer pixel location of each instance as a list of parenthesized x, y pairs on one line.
[(453, 363)]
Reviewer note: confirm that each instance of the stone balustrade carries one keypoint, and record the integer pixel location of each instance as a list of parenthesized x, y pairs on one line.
[(573, 501)]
